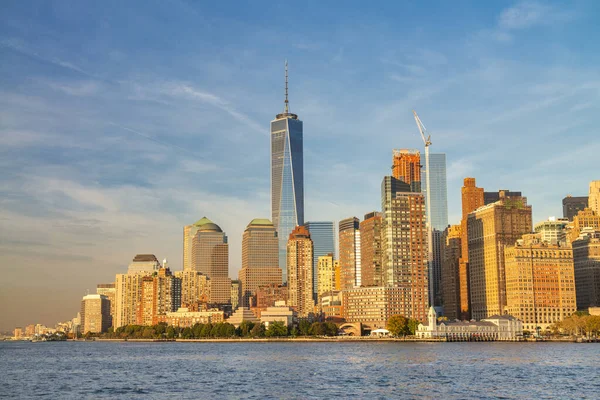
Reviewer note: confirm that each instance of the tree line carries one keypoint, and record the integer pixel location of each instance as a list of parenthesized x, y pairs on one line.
[(580, 323)]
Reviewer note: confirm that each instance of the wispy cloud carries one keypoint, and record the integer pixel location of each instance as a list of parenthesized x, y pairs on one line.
[(531, 13)]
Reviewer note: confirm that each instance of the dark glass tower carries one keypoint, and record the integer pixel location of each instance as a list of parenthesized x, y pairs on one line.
[(323, 237), (287, 176)]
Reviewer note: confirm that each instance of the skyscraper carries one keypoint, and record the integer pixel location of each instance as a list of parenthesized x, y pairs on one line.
[(586, 254), (260, 258), (406, 166), (95, 313), (572, 205), (594, 197), (161, 293), (350, 256), (451, 272), (439, 191), (326, 266), (323, 237), (299, 266), (287, 176), (404, 246), (370, 249), (490, 229), (109, 290)]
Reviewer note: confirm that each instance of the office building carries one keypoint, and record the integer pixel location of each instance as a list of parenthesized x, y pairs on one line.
[(128, 288), (278, 313), (439, 191), (490, 229), (110, 291), (404, 246), (143, 263), (260, 258), (492, 197), (406, 166), (572, 205), (323, 236), (326, 266), (586, 255), (331, 305), (540, 282), (594, 197), (268, 296), (350, 253), (187, 318), (287, 176), (451, 272), (95, 313), (552, 231), (299, 268), (586, 218), (370, 249)]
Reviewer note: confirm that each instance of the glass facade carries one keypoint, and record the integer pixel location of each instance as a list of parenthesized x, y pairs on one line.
[(323, 237), (439, 191), (287, 180)]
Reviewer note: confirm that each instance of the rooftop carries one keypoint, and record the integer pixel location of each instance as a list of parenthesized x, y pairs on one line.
[(205, 224), (145, 258)]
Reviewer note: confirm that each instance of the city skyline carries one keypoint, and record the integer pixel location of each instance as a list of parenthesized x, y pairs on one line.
[(112, 184)]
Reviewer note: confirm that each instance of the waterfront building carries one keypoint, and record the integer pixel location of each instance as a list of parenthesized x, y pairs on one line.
[(323, 236), (95, 313), (30, 330), (586, 255), (242, 314), (110, 291), (195, 288), (451, 272), (18, 333), (370, 249), (372, 306), (299, 268), (404, 246), (260, 258), (210, 256), (491, 228), (331, 305), (236, 294), (278, 313), (594, 197), (496, 327), (326, 266), (186, 318), (144, 264), (472, 199), (160, 294), (587, 218), (540, 281), (406, 166), (572, 205), (552, 231), (350, 253), (287, 176)]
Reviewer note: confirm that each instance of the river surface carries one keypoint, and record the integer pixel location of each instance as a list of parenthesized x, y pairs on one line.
[(96, 370)]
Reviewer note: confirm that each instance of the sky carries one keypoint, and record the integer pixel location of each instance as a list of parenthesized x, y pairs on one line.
[(121, 122)]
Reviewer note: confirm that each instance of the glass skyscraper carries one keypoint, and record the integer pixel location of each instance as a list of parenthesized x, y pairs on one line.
[(323, 236), (287, 177), (439, 190)]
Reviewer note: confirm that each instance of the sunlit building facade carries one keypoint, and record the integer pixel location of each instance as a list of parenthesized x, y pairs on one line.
[(322, 234), (299, 266), (370, 249), (350, 253)]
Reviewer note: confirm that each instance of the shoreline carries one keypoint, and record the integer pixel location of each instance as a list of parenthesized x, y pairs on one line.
[(327, 340)]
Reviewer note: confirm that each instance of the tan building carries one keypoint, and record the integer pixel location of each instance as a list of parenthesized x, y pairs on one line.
[(331, 305), (95, 313), (242, 314), (268, 296), (236, 293), (161, 293), (260, 258), (350, 255), (370, 249), (279, 313), (552, 231), (594, 197), (30, 330), (128, 296), (326, 267), (407, 167), (299, 271), (109, 290), (210, 256), (490, 229), (186, 318), (451, 291), (586, 255), (587, 218), (374, 305), (540, 282), (404, 247), (472, 198), (195, 288), (18, 334)]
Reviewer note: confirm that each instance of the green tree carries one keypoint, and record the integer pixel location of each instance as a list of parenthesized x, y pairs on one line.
[(258, 330), (197, 330), (206, 330), (398, 325), (318, 329), (413, 325), (228, 330), (304, 327), (170, 332), (160, 329), (148, 333), (276, 328), (187, 333), (331, 329), (245, 328)]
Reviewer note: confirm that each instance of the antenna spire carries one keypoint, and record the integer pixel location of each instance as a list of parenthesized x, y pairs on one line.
[(287, 108)]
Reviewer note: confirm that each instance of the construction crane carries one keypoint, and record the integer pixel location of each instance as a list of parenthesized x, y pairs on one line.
[(427, 141)]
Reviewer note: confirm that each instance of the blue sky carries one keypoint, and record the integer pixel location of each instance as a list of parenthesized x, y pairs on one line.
[(120, 123)]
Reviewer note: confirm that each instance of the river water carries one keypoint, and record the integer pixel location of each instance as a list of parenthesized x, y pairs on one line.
[(93, 370)]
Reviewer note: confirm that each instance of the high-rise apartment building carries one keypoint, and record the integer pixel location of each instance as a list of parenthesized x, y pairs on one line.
[(451, 272), (128, 288), (195, 288), (109, 290), (586, 218), (586, 254), (406, 166), (287, 176), (572, 205), (490, 229), (370, 249), (404, 246), (260, 258), (210, 256), (160, 294), (540, 282), (322, 234), (594, 197), (472, 199), (299, 268), (326, 266), (374, 305), (350, 253), (95, 313)]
